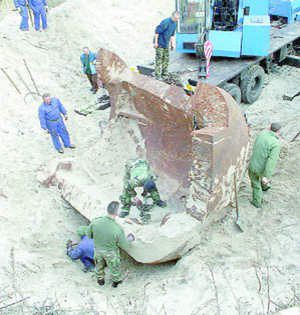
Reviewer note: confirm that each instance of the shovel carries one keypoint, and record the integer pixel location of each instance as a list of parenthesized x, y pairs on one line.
[(236, 223)]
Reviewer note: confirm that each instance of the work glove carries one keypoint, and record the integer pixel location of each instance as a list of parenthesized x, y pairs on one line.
[(46, 131), (19, 10), (46, 9), (69, 246), (130, 237), (66, 117), (265, 181)]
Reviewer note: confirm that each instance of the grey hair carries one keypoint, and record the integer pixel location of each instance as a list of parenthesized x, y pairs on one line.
[(46, 95), (275, 127), (113, 207)]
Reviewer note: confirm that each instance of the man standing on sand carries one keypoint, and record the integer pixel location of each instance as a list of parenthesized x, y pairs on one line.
[(50, 112), (39, 9), (263, 162), (108, 237), (164, 38), (88, 60), (21, 6)]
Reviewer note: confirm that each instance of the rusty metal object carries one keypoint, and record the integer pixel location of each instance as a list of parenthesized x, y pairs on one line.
[(198, 163), (195, 168)]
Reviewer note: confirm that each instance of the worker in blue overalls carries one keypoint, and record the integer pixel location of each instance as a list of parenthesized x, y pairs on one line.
[(21, 6), (51, 121), (84, 249), (39, 9)]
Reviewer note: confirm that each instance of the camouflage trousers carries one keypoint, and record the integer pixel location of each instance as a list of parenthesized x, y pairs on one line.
[(128, 194), (161, 63), (112, 260), (145, 213), (257, 194)]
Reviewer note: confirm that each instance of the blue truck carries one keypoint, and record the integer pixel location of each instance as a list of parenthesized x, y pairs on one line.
[(247, 36)]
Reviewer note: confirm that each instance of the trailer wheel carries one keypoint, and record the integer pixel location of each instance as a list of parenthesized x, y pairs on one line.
[(234, 90), (252, 84)]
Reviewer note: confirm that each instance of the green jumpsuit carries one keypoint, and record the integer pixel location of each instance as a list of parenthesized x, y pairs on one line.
[(108, 237), (137, 173), (263, 162)]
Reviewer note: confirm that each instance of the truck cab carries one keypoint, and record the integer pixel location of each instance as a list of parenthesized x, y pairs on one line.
[(235, 27)]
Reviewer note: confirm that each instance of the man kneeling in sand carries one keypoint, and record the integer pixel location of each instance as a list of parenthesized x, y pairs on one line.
[(84, 249)]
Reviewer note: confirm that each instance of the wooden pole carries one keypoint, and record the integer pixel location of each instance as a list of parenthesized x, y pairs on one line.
[(31, 77), (10, 80)]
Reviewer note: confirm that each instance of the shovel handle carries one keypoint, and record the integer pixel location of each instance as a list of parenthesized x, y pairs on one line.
[(236, 198)]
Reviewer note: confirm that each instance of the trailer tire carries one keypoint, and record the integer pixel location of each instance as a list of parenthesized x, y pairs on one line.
[(252, 84), (234, 90)]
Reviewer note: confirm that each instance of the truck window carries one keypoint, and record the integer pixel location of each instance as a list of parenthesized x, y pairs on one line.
[(192, 16)]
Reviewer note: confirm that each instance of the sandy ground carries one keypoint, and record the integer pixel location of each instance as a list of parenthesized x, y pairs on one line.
[(255, 272)]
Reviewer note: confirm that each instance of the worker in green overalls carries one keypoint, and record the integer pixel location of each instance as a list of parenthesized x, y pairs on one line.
[(263, 162)]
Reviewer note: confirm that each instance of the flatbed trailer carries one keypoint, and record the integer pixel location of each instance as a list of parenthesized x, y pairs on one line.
[(237, 71)]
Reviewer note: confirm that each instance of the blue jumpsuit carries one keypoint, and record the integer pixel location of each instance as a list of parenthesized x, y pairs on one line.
[(51, 120), (83, 251), (24, 13), (39, 12)]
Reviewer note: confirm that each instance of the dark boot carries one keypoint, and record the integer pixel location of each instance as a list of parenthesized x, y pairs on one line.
[(265, 187), (103, 98), (255, 205), (115, 284), (101, 281), (60, 151), (161, 203), (123, 214), (104, 106)]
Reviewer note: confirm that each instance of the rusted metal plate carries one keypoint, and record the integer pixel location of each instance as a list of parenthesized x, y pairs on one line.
[(201, 162)]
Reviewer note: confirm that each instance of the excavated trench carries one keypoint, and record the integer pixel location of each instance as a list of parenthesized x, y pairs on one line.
[(195, 168)]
